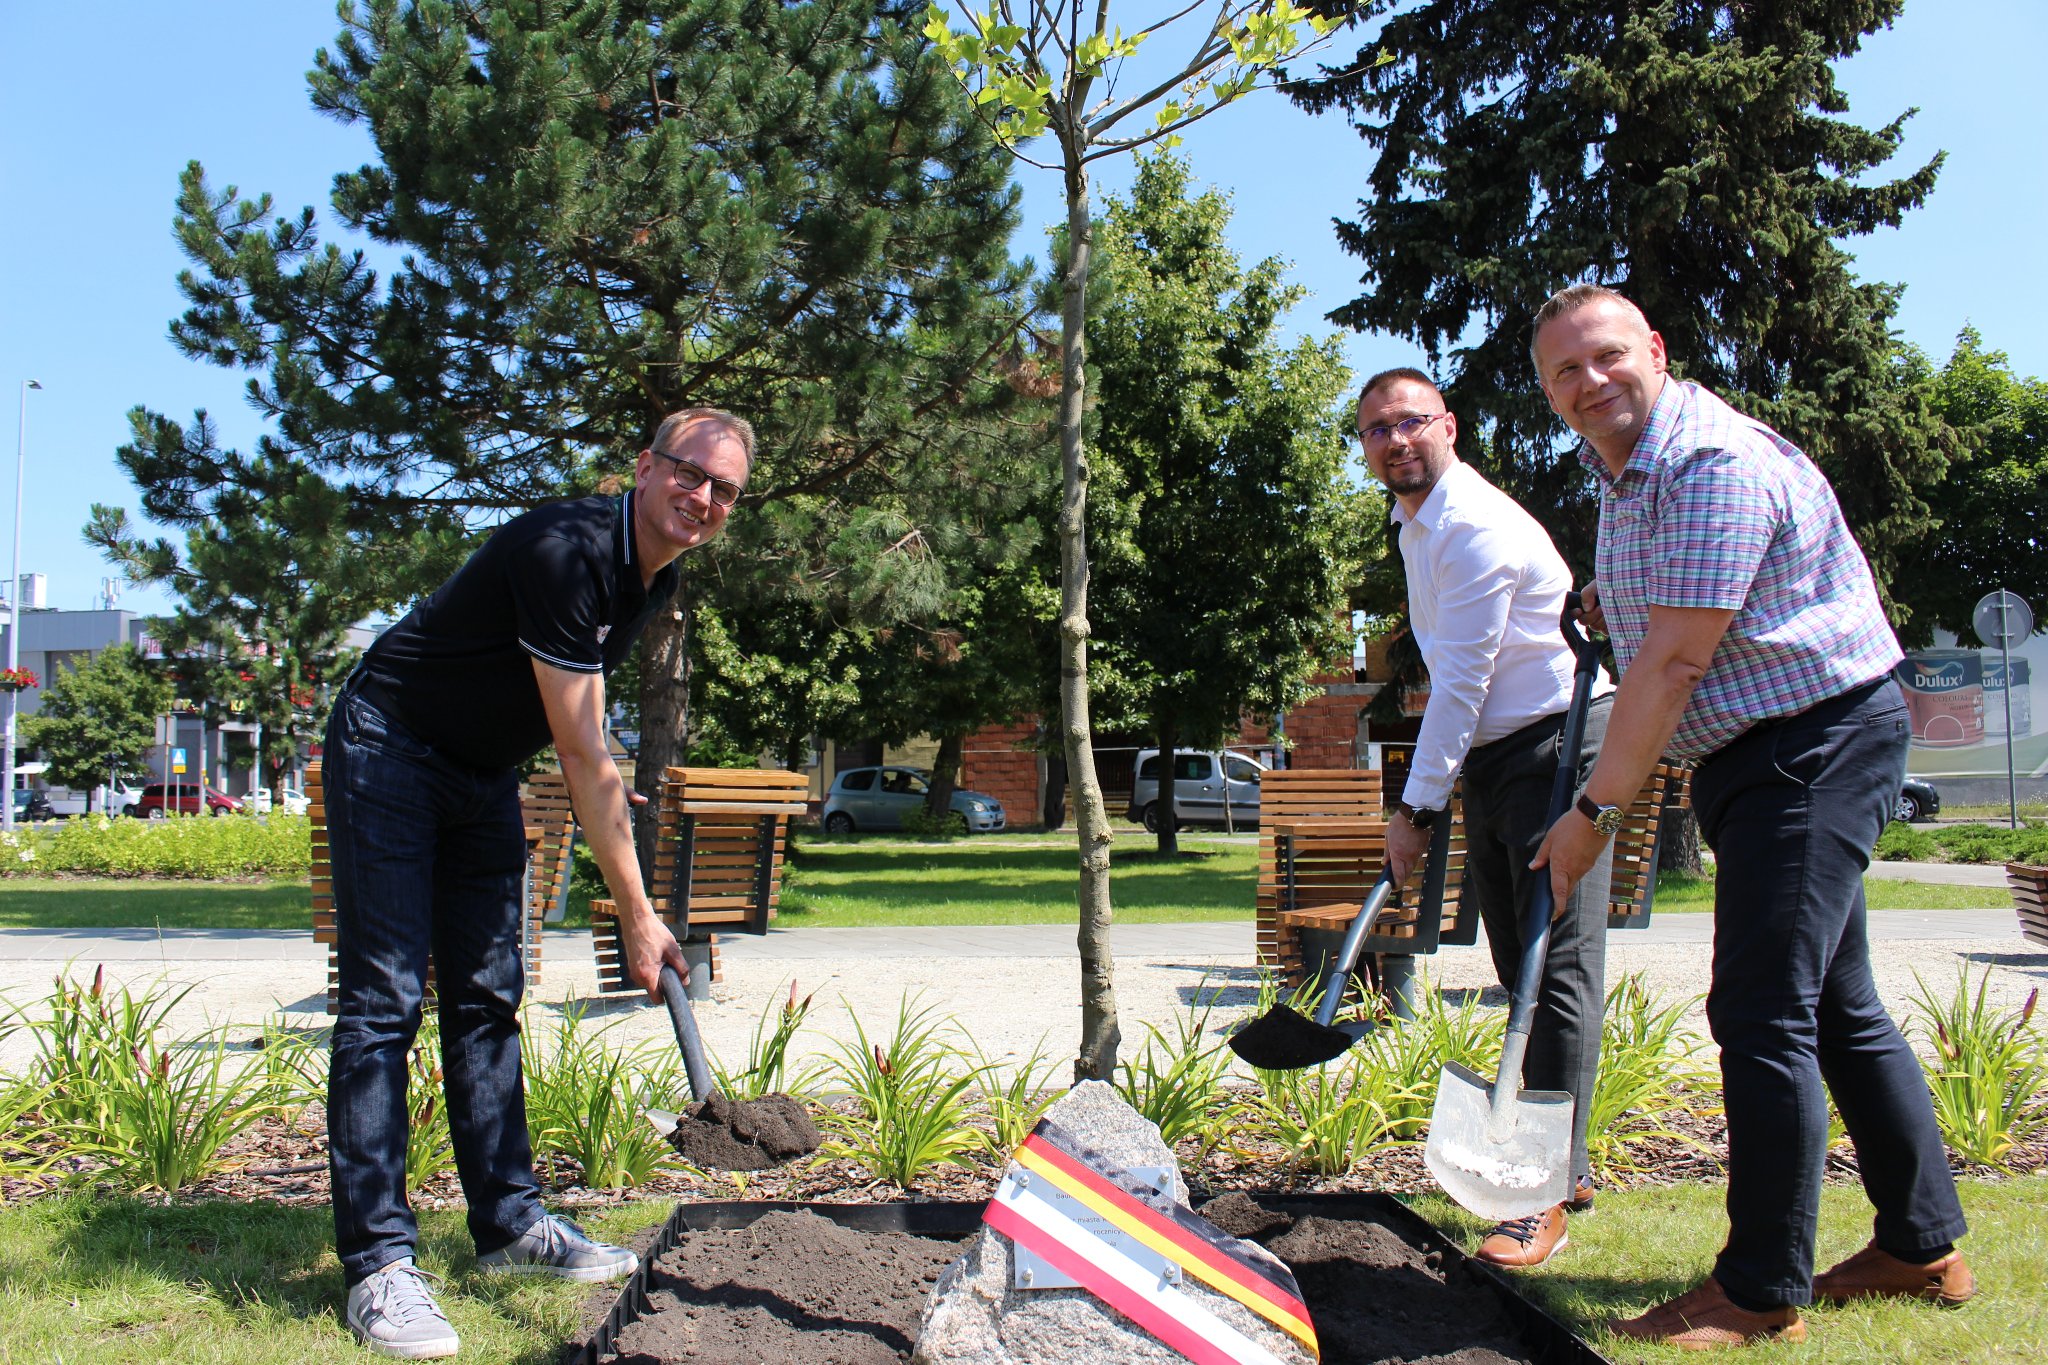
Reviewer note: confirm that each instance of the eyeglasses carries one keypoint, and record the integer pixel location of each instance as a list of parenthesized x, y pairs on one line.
[(1409, 427), (690, 477)]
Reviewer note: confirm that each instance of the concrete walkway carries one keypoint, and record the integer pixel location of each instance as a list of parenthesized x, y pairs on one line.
[(1012, 990)]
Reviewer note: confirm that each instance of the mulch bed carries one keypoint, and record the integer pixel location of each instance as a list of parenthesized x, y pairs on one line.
[(285, 1162)]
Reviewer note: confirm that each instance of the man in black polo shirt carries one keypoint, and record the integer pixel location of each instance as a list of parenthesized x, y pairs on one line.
[(422, 791)]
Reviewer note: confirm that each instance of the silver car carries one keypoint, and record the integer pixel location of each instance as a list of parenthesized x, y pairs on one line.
[(1204, 782), (879, 798)]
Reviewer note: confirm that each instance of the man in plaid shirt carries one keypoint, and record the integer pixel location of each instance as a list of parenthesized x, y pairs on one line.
[(1752, 644)]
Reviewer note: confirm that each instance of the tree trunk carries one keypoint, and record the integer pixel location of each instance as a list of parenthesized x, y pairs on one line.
[(1099, 1033), (1678, 843), (1166, 805), (664, 722), (945, 776), (1053, 810)]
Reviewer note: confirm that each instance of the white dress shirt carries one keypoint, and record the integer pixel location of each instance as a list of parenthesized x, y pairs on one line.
[(1485, 589)]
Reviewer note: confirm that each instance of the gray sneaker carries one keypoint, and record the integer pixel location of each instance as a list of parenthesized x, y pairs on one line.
[(556, 1246), (394, 1313)]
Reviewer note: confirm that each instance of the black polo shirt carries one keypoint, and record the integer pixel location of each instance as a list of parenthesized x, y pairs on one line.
[(560, 584)]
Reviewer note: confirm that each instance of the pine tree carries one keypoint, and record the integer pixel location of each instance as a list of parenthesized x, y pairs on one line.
[(1226, 537), (1694, 156), (599, 214)]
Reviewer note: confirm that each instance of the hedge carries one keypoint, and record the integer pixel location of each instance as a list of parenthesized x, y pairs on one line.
[(274, 845)]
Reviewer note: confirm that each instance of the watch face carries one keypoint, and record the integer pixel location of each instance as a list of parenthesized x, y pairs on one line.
[(1609, 819)]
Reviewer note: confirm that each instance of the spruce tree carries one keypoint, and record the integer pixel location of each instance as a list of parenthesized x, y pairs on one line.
[(1695, 156)]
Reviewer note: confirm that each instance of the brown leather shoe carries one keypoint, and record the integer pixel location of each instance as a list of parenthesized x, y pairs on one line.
[(1582, 1196), (1522, 1242), (1872, 1274), (1705, 1319)]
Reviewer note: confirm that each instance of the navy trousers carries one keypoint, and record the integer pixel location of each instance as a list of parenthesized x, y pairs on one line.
[(1792, 809), (428, 854)]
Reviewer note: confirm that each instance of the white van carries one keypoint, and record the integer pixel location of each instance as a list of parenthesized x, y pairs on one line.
[(1203, 782)]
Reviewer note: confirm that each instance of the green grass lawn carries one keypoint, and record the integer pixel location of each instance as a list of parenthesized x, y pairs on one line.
[(99, 903), (1644, 1246), (94, 1282), (877, 882), (865, 881)]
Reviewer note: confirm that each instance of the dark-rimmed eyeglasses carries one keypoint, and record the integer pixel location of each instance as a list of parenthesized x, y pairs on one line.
[(690, 477), (1409, 427)]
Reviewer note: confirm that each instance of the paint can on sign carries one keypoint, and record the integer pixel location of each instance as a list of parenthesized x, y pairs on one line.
[(2022, 697), (1945, 696)]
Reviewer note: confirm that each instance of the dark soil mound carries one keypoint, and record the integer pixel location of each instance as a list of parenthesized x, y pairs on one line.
[(719, 1134), (791, 1287)]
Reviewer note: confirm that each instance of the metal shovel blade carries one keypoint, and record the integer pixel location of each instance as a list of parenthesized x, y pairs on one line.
[(1520, 1166)]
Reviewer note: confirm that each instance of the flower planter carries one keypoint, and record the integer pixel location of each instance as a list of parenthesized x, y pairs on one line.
[(851, 1289)]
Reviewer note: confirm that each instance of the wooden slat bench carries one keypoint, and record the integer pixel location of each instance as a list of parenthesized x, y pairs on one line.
[(1296, 793), (1632, 891), (2030, 897), (544, 806), (722, 836)]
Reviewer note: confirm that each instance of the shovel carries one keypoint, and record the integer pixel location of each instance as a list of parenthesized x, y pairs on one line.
[(685, 1020), (1500, 1154), (1280, 1039)]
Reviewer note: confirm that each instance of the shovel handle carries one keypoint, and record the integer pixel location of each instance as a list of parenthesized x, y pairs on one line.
[(1536, 921), (680, 1014), (1347, 955)]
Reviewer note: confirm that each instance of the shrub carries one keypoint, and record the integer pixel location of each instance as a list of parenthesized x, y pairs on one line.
[(910, 1094), (430, 1145), (1988, 1071), (1015, 1105), (920, 823), (586, 1102), (1177, 1082), (1412, 1053), (1648, 1071), (1328, 1118), (277, 845), (1902, 843), (767, 1052)]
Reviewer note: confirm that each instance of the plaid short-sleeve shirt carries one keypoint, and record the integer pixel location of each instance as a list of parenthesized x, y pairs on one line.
[(1714, 509)]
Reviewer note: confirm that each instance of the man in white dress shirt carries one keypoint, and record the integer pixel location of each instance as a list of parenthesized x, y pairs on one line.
[(1485, 590)]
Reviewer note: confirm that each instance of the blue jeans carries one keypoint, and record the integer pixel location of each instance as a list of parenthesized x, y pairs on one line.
[(1792, 809), (428, 854)]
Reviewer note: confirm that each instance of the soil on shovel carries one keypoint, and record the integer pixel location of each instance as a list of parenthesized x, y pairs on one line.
[(720, 1134), (795, 1287)]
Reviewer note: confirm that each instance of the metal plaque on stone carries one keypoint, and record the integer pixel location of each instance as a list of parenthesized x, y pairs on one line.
[(1032, 1271)]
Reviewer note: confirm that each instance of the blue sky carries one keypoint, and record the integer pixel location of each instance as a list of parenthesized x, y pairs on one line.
[(104, 104)]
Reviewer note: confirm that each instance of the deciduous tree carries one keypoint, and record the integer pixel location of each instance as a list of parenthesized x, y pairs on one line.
[(1061, 73), (1228, 534), (97, 720)]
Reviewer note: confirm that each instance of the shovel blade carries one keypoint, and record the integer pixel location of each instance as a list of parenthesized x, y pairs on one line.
[(1282, 1040), (1525, 1167)]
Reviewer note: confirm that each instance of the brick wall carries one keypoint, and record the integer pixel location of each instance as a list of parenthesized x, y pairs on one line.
[(999, 762)]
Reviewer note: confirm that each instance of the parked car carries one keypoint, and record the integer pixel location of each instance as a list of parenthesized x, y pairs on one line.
[(182, 798), (1202, 783), (122, 796), (291, 801), (1918, 800), (878, 798), (31, 805)]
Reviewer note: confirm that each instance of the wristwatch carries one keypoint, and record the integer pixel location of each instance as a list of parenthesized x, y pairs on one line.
[(1606, 819), (1420, 817)]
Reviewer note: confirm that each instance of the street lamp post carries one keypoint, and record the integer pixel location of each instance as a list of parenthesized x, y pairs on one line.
[(14, 606)]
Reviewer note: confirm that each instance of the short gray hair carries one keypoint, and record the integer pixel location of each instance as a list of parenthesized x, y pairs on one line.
[(1571, 299), (673, 424)]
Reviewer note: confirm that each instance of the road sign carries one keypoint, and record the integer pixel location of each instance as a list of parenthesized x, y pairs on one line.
[(2003, 619), (177, 760)]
